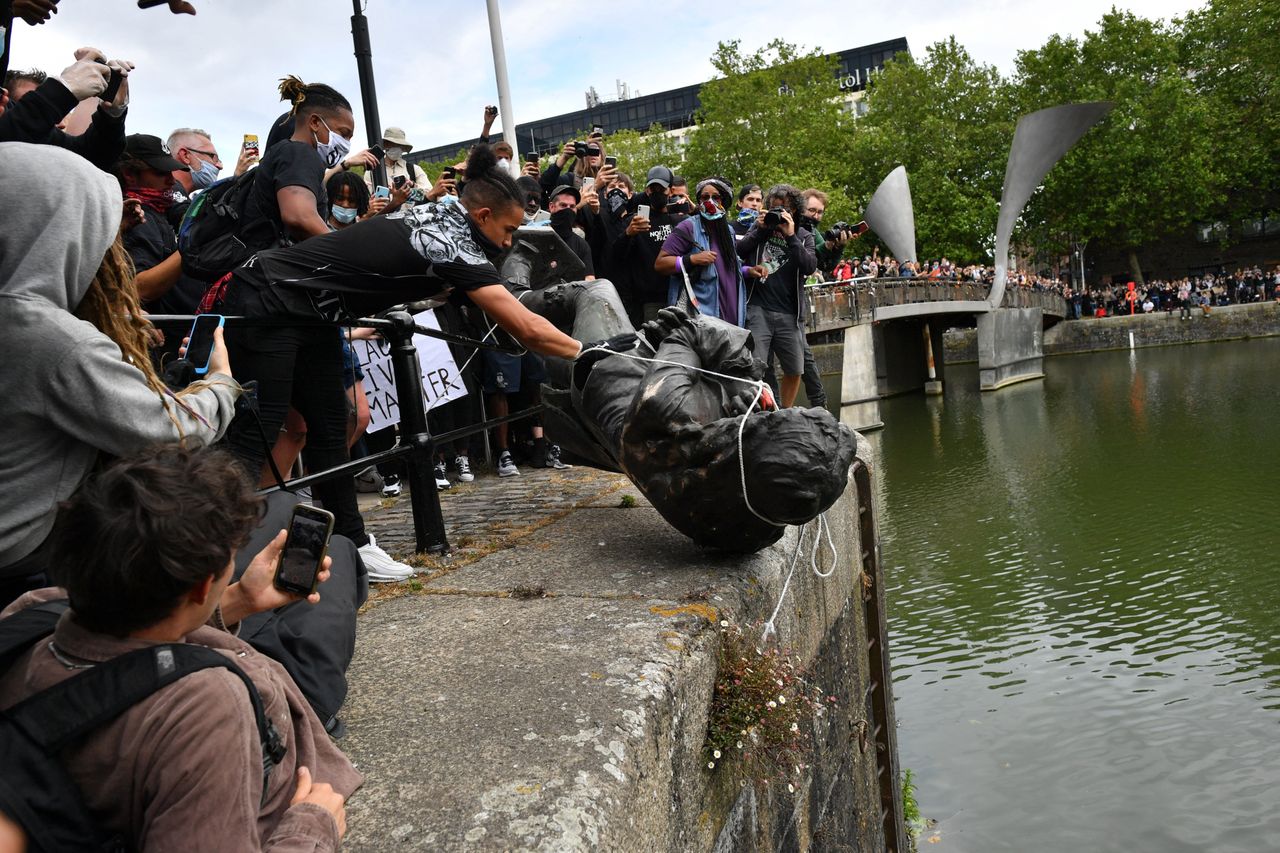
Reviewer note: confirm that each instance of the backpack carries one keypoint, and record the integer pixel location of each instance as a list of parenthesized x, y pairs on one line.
[(35, 789), (209, 236)]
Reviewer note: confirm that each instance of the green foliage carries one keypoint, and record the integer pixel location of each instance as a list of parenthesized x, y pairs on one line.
[(1150, 167), (434, 167), (911, 808), (638, 152), (761, 709), (776, 116), (949, 120)]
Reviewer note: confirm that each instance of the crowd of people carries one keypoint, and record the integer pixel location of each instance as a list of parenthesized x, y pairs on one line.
[(109, 449), (1187, 296)]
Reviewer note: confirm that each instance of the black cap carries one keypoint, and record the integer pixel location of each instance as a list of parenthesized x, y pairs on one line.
[(660, 175), (565, 189), (150, 150)]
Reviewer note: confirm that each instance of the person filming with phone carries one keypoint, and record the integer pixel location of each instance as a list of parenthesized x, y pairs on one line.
[(186, 767)]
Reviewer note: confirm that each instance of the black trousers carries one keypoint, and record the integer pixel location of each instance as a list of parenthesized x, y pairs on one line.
[(302, 367), (314, 642)]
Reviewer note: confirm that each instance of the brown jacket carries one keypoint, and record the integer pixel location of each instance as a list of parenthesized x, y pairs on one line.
[(182, 769)]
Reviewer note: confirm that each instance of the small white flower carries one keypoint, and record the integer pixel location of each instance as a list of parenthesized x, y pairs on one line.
[(791, 788), (795, 727), (782, 700), (716, 754), (739, 744), (771, 705), (724, 623), (779, 682), (711, 765)]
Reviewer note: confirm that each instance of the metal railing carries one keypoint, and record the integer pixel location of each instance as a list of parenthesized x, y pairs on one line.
[(837, 305), (416, 445)]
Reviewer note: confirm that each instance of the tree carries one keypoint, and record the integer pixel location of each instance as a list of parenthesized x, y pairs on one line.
[(1231, 52), (776, 116), (1150, 168), (949, 121), (638, 152)]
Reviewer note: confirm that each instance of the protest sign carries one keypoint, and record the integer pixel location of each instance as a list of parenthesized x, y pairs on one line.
[(441, 379)]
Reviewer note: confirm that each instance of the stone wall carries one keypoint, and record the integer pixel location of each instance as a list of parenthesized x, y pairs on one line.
[(555, 696), (1233, 322)]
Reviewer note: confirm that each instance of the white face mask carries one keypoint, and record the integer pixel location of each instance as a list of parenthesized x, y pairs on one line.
[(504, 164), (394, 152), (335, 150)]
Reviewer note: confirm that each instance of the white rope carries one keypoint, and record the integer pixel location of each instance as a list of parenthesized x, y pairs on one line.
[(822, 528)]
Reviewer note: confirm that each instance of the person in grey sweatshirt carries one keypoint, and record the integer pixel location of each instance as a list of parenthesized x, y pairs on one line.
[(73, 362)]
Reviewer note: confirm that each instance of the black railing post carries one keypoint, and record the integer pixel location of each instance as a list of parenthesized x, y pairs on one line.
[(428, 523)]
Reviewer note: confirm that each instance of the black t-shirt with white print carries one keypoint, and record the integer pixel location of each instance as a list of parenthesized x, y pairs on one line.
[(364, 268)]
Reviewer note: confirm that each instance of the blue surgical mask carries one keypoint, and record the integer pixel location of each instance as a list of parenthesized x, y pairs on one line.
[(205, 176), (343, 215), (447, 198)]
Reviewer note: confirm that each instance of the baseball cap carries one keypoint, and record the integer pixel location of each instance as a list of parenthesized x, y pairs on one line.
[(659, 175), (150, 150), (565, 189)]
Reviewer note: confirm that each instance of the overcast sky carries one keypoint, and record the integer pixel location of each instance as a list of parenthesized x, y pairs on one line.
[(434, 68)]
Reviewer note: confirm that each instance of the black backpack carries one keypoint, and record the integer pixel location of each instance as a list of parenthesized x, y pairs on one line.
[(211, 237), (35, 789)]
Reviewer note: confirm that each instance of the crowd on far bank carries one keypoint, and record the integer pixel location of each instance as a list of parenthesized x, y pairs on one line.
[(1202, 293)]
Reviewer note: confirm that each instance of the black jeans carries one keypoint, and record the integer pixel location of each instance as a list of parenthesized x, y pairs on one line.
[(302, 367)]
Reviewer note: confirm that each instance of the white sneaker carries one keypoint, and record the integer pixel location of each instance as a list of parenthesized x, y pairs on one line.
[(381, 568), (553, 458), (442, 481), (391, 487), (463, 464), (506, 467)]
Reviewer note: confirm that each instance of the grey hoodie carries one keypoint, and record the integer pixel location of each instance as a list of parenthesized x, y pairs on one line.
[(69, 395)]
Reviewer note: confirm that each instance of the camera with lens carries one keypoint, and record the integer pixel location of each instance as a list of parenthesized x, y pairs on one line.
[(836, 231), (773, 217), (579, 149)]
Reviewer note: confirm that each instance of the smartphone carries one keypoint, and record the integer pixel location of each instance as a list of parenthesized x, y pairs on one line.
[(449, 172), (113, 83), (642, 211), (200, 343), (382, 192), (531, 157), (611, 161), (251, 142), (860, 228), (588, 183), (597, 130), (398, 181), (304, 549), (377, 151)]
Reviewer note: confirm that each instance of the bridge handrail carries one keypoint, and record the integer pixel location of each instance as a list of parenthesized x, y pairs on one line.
[(839, 304)]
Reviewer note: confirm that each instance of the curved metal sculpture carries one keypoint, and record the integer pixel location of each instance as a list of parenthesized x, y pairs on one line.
[(891, 216), (1039, 142)]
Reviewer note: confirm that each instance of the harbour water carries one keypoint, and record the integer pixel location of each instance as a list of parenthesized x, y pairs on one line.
[(1085, 602)]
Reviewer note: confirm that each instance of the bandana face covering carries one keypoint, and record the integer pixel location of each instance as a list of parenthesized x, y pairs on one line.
[(711, 209), (160, 200)]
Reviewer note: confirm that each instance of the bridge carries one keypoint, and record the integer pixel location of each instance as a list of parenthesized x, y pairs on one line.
[(889, 326)]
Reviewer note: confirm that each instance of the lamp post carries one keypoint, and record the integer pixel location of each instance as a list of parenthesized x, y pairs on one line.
[(368, 91), (500, 72)]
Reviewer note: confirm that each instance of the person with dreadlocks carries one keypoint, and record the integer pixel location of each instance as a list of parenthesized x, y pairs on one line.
[(701, 250), (74, 352)]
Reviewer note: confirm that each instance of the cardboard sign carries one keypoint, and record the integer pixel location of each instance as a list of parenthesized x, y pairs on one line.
[(441, 379)]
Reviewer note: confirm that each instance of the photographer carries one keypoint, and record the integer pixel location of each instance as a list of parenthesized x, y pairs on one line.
[(775, 305), (183, 768), (587, 159), (38, 104), (630, 258), (829, 246)]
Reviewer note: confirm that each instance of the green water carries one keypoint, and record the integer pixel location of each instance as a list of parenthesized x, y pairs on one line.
[(1084, 593)]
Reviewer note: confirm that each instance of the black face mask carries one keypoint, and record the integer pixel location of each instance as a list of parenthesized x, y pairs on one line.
[(808, 222), (562, 220), (657, 201), (491, 250)]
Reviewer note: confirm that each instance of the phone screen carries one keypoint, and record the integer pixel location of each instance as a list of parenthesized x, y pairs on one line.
[(531, 157), (200, 347), (399, 181), (378, 152), (611, 161), (304, 549)]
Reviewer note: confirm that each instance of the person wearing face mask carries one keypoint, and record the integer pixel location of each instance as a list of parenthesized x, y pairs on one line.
[(563, 208), (287, 202), (630, 259), (400, 171), (202, 166), (146, 177), (750, 203), (701, 248)]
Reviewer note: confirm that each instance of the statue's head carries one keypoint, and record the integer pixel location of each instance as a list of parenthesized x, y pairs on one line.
[(797, 462)]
